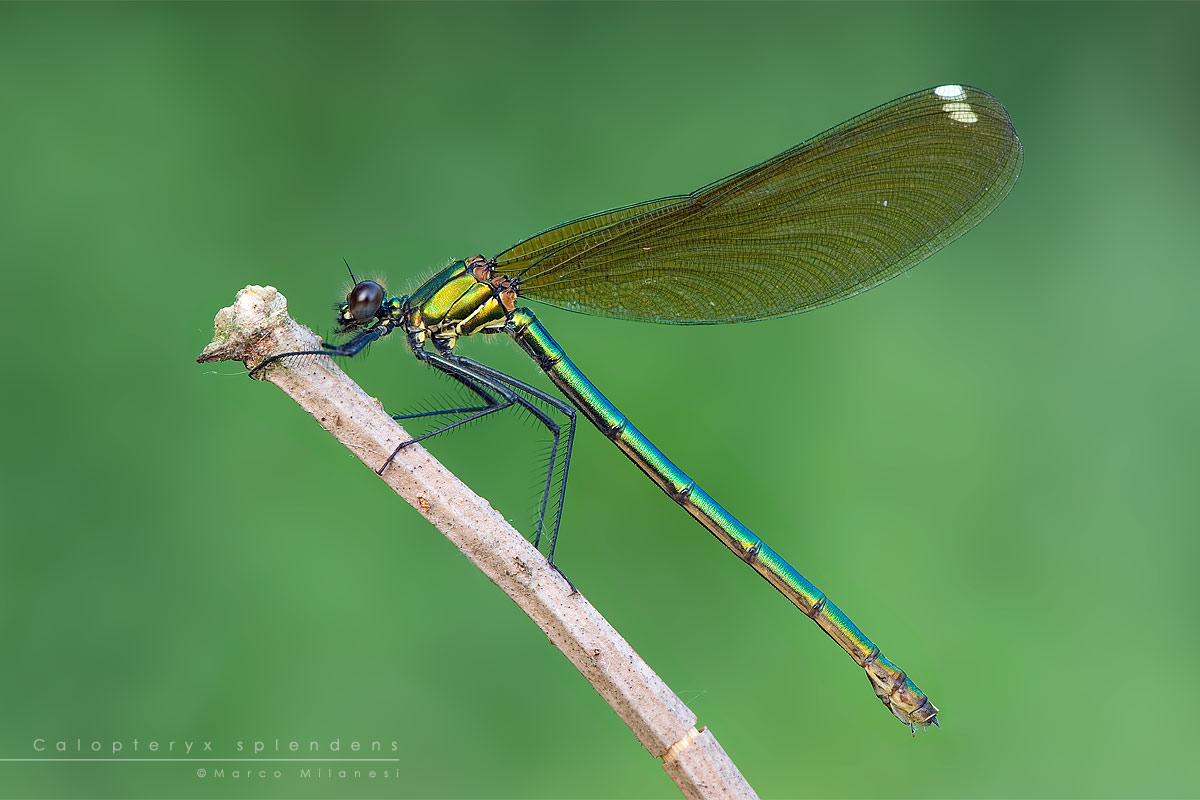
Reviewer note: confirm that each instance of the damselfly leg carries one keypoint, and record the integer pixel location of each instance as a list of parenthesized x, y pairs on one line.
[(498, 391)]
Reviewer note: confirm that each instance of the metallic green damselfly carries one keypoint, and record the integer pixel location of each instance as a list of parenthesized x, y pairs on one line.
[(827, 219)]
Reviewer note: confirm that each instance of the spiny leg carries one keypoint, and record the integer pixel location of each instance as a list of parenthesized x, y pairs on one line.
[(488, 399), (469, 379), (441, 412), (475, 383), (474, 376), (497, 378), (463, 375), (464, 371), (568, 411)]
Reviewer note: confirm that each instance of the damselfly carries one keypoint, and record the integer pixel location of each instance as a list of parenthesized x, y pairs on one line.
[(827, 219)]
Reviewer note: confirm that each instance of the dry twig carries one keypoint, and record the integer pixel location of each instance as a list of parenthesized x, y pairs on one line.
[(257, 326)]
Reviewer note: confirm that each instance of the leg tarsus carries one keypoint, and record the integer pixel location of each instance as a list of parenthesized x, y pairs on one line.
[(346, 350), (562, 575)]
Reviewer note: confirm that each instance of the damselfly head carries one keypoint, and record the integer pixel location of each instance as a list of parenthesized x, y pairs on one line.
[(362, 305)]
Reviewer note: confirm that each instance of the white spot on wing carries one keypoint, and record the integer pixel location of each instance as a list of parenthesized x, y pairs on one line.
[(951, 91), (960, 112)]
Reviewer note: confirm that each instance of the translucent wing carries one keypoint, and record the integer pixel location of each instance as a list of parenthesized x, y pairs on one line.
[(825, 220)]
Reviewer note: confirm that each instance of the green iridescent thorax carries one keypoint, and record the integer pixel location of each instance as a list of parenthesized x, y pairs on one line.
[(455, 303)]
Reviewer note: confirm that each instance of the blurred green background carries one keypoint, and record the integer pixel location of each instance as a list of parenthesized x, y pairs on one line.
[(990, 464)]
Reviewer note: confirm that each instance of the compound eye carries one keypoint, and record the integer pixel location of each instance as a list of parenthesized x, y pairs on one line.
[(364, 300)]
